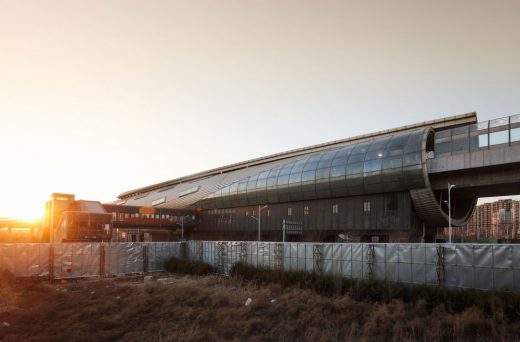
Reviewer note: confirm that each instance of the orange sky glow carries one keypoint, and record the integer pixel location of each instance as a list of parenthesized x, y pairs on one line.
[(100, 97)]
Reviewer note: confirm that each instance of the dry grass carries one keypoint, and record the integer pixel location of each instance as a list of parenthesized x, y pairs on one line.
[(212, 308)]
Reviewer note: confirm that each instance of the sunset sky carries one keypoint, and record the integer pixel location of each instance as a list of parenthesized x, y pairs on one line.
[(100, 97)]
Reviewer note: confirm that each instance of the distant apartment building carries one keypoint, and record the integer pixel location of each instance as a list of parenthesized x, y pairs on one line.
[(496, 220)]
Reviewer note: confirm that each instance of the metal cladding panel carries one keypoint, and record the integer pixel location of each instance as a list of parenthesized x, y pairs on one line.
[(502, 257), (404, 264), (380, 261), (357, 261), (160, 252), (418, 254), (327, 257), (392, 253), (483, 267), (503, 279), (37, 264), (125, 258), (465, 276), (516, 257), (347, 256), (516, 280), (465, 256), (484, 279), (75, 260), (25, 260), (367, 167), (483, 255), (333, 259), (209, 250), (337, 259), (305, 257), (263, 252)]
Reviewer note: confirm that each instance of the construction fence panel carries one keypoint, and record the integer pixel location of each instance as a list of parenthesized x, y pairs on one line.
[(346, 252), (516, 268), (124, 258), (76, 260), (209, 252), (358, 261), (25, 259), (432, 261), (485, 267), (160, 252), (503, 267)]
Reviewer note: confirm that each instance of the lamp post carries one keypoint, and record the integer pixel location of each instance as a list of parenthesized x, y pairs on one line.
[(450, 186), (258, 219), (182, 227)]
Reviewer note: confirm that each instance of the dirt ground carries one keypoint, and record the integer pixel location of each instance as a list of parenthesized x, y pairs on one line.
[(188, 308)]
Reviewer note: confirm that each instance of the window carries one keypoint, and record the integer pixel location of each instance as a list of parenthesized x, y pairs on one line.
[(289, 211), (515, 134), (334, 208), (189, 191), (159, 201), (268, 212), (366, 206), (306, 210), (482, 140), (501, 137), (247, 213)]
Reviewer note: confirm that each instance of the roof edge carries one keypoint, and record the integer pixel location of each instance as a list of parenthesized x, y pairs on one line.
[(445, 122)]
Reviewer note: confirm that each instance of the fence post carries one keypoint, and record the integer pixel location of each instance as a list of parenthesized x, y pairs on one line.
[(200, 250), (145, 259), (184, 250), (102, 261), (221, 252), (278, 254), (51, 264), (317, 253), (440, 265), (370, 261), (243, 252)]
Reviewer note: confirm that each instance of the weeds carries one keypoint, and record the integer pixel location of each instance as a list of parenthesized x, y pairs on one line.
[(185, 266), (213, 309), (489, 303)]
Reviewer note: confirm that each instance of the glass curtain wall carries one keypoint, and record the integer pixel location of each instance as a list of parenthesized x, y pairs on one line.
[(392, 163)]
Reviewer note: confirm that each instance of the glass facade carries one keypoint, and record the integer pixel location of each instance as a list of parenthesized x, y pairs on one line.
[(392, 163), (479, 136)]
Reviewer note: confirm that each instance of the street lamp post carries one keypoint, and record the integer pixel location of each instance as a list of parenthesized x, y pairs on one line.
[(450, 186), (259, 216), (258, 219), (182, 227)]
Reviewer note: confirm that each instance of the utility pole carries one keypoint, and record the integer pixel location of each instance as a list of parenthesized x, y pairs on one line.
[(450, 186)]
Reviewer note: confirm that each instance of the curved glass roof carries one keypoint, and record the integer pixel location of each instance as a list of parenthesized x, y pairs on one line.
[(391, 163)]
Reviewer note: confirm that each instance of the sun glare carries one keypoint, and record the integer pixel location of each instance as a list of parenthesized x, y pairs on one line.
[(29, 209)]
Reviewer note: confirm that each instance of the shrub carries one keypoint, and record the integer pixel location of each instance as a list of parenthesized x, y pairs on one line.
[(455, 300), (185, 266)]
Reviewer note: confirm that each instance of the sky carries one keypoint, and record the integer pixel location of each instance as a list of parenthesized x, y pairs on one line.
[(101, 97)]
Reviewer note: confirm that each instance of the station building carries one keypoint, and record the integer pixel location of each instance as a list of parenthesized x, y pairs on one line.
[(388, 186)]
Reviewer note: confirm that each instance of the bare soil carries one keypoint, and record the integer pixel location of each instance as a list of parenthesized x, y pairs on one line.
[(188, 308)]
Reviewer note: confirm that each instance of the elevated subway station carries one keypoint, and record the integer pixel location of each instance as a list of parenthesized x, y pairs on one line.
[(389, 186)]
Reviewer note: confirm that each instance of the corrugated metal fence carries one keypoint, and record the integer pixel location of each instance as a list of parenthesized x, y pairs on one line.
[(477, 266), (75, 260), (454, 265)]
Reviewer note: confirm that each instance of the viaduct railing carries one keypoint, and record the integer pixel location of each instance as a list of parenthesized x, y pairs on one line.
[(486, 267)]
